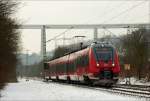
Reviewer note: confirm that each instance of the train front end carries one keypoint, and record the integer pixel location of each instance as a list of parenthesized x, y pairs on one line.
[(104, 64)]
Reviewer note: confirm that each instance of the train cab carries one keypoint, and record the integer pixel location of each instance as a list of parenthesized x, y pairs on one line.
[(104, 64)]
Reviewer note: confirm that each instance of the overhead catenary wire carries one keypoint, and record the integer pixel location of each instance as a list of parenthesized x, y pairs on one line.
[(134, 6), (105, 13), (67, 29), (123, 12), (60, 34), (120, 4)]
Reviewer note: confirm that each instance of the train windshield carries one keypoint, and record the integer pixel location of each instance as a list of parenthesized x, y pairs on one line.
[(104, 54)]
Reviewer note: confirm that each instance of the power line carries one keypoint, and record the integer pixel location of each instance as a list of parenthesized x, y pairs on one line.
[(60, 34), (110, 10), (83, 0), (131, 8), (114, 17), (121, 13)]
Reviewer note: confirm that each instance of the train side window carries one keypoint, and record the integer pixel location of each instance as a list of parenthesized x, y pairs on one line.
[(78, 61), (60, 67), (46, 66), (68, 66), (71, 67), (64, 68), (74, 66), (85, 61), (55, 70), (50, 69), (82, 61)]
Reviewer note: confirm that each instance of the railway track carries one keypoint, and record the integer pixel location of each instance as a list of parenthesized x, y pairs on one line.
[(130, 90), (143, 91), (138, 88)]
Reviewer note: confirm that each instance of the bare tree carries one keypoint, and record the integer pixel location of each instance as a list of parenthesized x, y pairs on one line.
[(9, 42), (136, 51)]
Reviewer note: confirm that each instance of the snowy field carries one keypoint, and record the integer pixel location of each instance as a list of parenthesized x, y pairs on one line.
[(41, 91)]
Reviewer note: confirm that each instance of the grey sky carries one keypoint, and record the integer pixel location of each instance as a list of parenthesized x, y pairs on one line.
[(76, 12)]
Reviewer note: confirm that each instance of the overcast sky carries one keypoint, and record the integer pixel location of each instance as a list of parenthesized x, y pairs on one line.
[(76, 12)]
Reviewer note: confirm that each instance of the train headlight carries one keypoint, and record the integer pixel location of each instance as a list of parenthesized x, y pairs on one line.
[(113, 64), (97, 64)]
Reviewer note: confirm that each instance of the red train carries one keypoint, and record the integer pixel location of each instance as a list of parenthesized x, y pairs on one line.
[(96, 64)]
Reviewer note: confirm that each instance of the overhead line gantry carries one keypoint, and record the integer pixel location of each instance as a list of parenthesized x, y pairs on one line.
[(95, 28)]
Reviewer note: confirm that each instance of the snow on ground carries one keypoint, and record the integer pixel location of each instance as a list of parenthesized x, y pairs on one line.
[(134, 81), (38, 90)]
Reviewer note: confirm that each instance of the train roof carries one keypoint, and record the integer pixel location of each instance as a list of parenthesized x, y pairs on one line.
[(78, 47)]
